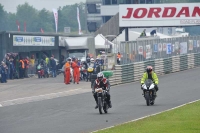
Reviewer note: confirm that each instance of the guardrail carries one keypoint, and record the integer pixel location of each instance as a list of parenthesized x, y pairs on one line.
[(133, 72)]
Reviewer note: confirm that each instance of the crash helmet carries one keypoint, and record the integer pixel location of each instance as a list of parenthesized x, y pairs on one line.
[(69, 59), (100, 76), (149, 69), (73, 58), (92, 60)]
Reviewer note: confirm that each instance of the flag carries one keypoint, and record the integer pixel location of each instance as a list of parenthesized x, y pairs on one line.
[(79, 25), (55, 13), (24, 26), (18, 25), (42, 30)]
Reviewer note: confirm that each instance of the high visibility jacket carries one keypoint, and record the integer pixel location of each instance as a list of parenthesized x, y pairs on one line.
[(22, 63), (47, 60), (26, 63), (67, 66), (145, 77)]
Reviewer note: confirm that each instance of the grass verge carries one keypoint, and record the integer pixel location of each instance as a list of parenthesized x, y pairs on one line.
[(185, 119)]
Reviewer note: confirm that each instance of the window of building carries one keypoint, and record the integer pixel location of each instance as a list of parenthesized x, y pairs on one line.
[(135, 2), (149, 1), (142, 1), (107, 2), (114, 2), (128, 1), (122, 2), (106, 18)]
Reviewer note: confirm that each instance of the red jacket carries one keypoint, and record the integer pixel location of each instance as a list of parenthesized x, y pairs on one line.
[(104, 84)]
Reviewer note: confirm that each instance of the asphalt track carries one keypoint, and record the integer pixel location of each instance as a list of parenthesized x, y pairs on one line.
[(76, 113)]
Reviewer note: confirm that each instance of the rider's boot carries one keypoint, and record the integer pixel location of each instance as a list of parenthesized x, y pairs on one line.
[(109, 104), (155, 94), (96, 106)]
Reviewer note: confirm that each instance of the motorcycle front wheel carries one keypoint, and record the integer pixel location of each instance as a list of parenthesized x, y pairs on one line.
[(147, 97), (100, 105), (105, 107)]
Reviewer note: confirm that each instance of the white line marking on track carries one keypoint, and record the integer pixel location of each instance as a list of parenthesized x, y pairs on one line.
[(148, 115), (43, 97), (1, 105)]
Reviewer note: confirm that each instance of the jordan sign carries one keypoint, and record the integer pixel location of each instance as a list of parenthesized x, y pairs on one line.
[(148, 15)]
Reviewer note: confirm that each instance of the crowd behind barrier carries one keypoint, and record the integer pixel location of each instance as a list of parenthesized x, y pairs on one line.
[(14, 66)]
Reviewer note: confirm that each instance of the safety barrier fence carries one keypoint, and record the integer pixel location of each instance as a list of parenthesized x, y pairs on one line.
[(156, 48), (133, 72)]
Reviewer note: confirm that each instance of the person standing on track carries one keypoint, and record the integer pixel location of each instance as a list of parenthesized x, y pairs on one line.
[(76, 71), (67, 71)]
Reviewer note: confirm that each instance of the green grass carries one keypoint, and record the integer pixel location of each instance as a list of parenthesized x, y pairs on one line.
[(185, 119)]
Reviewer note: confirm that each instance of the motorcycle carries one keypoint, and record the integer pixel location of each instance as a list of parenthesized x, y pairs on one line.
[(149, 92), (101, 94), (42, 71), (90, 70)]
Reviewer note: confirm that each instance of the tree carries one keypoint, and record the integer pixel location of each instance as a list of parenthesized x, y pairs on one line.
[(45, 20), (3, 20), (28, 14)]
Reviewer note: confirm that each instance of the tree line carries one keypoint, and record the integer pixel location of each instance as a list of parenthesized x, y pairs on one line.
[(36, 19), (67, 17)]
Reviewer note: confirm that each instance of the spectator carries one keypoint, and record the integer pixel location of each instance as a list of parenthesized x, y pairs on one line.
[(12, 68), (118, 58), (143, 34), (21, 68), (47, 61), (3, 72), (32, 64), (53, 66), (153, 32), (26, 67), (88, 59), (8, 67)]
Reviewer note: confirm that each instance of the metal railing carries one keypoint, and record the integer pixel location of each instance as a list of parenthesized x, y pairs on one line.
[(133, 72), (150, 49)]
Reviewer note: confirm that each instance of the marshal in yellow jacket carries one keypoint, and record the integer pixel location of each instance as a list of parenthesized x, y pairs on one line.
[(154, 77)]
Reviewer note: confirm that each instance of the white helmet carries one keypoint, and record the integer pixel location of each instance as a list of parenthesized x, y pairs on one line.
[(92, 60), (100, 76)]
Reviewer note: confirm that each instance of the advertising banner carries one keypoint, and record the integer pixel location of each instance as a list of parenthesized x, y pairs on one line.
[(33, 40), (148, 51), (172, 14), (169, 48), (140, 50), (198, 43), (176, 45), (155, 47), (190, 44), (160, 47), (164, 46), (195, 43), (183, 48)]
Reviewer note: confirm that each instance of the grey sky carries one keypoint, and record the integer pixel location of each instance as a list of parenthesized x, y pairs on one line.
[(10, 5)]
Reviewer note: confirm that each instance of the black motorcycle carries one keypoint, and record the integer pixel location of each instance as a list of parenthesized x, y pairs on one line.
[(102, 100)]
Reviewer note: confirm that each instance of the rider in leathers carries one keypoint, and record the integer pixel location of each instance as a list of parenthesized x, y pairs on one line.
[(101, 82)]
